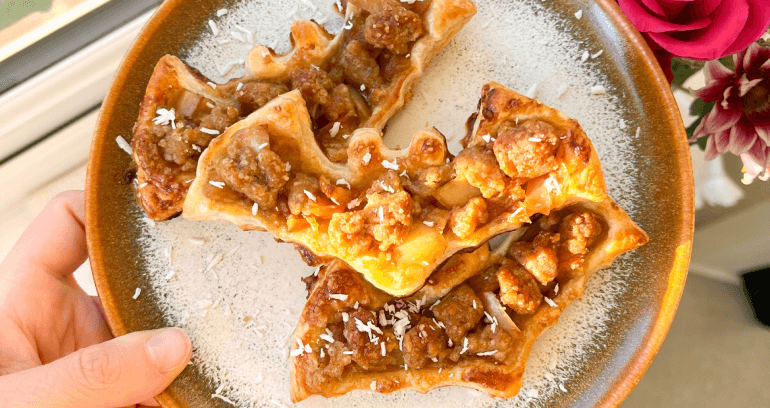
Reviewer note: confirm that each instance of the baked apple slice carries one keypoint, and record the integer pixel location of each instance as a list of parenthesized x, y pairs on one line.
[(473, 323)]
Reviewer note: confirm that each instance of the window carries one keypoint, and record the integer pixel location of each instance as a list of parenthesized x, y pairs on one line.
[(57, 60)]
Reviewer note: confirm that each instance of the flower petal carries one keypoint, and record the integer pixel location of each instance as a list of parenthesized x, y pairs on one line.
[(722, 140), (718, 77), (759, 152), (720, 119), (713, 41), (746, 85), (727, 97), (704, 7), (755, 25), (699, 132), (763, 131), (751, 169), (742, 137), (655, 7), (674, 8), (748, 55), (711, 149), (647, 22)]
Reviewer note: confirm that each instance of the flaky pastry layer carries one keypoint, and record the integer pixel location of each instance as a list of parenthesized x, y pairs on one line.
[(492, 362), (395, 216)]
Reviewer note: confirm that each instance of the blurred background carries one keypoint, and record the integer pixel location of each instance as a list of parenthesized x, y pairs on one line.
[(58, 57)]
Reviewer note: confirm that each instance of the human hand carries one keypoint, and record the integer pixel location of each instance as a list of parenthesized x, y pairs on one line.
[(55, 347)]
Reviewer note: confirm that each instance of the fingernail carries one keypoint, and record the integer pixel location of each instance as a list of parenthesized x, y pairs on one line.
[(168, 349)]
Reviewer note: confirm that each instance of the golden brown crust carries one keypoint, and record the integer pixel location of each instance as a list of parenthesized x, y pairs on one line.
[(499, 370), (387, 76), (163, 182), (166, 162), (403, 213)]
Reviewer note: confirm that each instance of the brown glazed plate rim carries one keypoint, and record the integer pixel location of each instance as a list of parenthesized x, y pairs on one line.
[(101, 248)]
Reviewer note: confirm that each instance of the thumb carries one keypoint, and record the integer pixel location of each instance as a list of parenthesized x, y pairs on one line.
[(123, 371)]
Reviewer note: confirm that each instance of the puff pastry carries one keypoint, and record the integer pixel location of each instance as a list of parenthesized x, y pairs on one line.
[(455, 330), (395, 216), (373, 63), (358, 78), (180, 114)]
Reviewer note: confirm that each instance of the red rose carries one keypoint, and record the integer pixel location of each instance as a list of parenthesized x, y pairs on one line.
[(698, 29)]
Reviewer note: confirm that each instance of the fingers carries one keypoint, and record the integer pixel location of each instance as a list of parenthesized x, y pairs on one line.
[(121, 372), (55, 242)]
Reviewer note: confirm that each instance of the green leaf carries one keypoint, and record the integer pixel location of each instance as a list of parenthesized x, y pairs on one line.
[(700, 108), (728, 62), (701, 142), (682, 70), (691, 129)]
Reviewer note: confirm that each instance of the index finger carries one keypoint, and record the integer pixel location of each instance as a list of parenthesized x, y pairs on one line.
[(55, 242)]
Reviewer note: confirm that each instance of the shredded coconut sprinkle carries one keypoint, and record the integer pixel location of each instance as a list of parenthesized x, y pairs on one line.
[(335, 129), (209, 131), (221, 12), (487, 353), (217, 184), (310, 195), (124, 145), (165, 116), (594, 56), (254, 209), (249, 35), (137, 293), (390, 166), (550, 302), (367, 157), (214, 28), (343, 182), (579, 14), (598, 90), (223, 398), (584, 57)]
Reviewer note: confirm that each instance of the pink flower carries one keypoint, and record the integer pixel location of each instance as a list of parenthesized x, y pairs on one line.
[(740, 120), (752, 170), (699, 29)]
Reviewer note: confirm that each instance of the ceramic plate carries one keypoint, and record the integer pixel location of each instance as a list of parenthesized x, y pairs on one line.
[(240, 312)]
